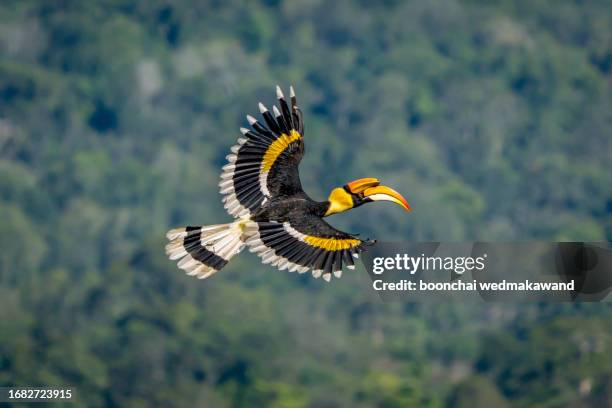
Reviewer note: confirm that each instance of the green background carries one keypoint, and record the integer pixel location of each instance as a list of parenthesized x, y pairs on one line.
[(493, 118)]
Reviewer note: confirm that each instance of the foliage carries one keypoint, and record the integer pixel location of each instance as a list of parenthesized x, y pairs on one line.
[(494, 118)]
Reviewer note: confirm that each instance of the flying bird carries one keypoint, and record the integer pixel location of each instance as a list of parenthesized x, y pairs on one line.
[(275, 218)]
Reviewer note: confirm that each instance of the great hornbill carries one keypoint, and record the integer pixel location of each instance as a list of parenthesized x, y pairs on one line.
[(275, 217)]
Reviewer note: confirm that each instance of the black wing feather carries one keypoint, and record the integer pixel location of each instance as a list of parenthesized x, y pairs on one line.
[(248, 181)]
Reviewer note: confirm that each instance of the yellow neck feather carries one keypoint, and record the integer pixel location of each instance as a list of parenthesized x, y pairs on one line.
[(339, 201)]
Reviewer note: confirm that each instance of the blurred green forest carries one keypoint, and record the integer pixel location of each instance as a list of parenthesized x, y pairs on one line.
[(494, 118)]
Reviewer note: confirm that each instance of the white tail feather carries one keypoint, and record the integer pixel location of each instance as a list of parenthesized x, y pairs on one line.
[(203, 251)]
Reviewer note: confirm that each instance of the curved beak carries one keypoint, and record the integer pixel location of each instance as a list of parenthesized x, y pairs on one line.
[(361, 185), (384, 193)]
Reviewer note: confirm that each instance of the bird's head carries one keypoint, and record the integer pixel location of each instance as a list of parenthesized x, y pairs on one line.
[(358, 192)]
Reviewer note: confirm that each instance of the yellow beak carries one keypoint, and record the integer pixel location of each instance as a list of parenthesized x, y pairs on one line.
[(360, 185), (383, 193)]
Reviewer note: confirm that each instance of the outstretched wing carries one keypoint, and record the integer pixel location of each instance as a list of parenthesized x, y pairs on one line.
[(264, 163), (303, 244)]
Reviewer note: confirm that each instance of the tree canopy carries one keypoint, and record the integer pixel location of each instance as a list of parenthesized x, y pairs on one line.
[(493, 118)]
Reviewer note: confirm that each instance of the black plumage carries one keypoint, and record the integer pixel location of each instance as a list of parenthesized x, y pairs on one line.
[(267, 188), (274, 216)]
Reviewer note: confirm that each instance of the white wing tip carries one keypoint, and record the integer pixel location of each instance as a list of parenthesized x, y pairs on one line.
[(291, 92), (175, 233), (327, 277), (262, 108), (244, 131), (251, 119), (279, 92), (338, 273), (276, 111)]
